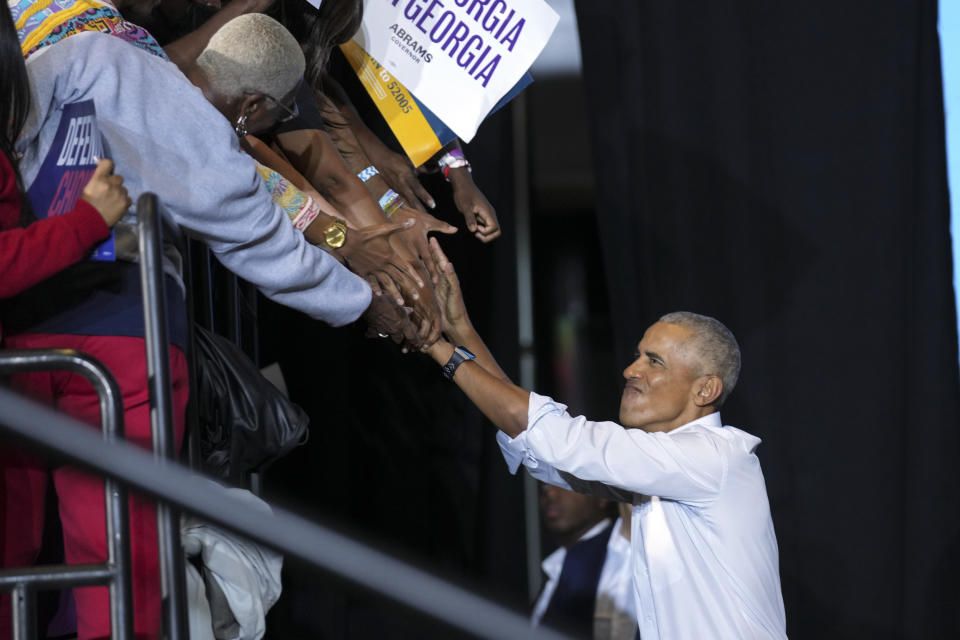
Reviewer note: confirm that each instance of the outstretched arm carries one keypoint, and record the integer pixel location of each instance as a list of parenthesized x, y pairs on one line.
[(399, 209), (562, 449), (312, 153), (477, 211), (504, 403), (396, 169), (484, 382)]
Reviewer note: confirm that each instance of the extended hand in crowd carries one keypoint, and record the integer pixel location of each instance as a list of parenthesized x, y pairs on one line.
[(426, 315), (106, 193), (386, 318), (379, 254), (416, 234), (449, 295), (477, 211), (425, 323), (457, 328), (400, 174), (368, 253)]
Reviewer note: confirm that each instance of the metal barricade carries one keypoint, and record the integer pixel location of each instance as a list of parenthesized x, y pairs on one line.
[(172, 572), (23, 583), (285, 532), (174, 488), (115, 573)]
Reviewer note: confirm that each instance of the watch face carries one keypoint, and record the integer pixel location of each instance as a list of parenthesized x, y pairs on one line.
[(335, 235)]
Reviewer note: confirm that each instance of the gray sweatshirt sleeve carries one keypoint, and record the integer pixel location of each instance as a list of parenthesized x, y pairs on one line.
[(166, 138)]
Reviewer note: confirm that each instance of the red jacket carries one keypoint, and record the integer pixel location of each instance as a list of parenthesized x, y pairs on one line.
[(29, 255)]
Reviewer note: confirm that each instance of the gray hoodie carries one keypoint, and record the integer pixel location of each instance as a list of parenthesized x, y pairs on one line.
[(166, 138)]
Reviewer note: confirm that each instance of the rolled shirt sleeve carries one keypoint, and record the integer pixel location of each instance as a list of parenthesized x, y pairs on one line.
[(686, 464)]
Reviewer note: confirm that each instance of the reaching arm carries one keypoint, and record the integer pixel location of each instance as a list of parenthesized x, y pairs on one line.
[(573, 451), (477, 211), (396, 169), (400, 210), (484, 382), (263, 154), (367, 252), (313, 154), (207, 187), (504, 403)]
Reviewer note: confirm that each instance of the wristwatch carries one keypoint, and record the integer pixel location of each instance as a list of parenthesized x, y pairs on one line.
[(460, 355), (336, 234)]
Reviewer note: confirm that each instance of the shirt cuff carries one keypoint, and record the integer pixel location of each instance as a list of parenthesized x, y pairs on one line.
[(516, 451), (512, 449)]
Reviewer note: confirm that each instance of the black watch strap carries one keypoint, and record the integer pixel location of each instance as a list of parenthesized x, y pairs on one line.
[(460, 355)]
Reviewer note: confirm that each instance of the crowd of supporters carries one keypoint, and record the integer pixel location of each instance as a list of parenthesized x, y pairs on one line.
[(229, 115)]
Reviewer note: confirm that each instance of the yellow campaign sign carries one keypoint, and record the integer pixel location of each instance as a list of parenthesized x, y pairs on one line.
[(395, 104)]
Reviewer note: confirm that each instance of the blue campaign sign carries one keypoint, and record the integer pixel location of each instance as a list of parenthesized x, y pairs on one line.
[(72, 159)]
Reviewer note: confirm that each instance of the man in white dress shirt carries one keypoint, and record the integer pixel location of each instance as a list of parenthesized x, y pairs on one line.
[(704, 553)]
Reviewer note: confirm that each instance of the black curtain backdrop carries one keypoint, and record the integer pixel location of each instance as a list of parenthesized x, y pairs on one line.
[(781, 166)]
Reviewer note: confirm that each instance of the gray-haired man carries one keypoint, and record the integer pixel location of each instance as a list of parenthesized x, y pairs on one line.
[(704, 553)]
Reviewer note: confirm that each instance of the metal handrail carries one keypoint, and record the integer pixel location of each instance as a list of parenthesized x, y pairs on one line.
[(172, 572), (285, 532), (24, 582)]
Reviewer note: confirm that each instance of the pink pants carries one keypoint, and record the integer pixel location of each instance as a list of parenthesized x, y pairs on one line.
[(23, 479)]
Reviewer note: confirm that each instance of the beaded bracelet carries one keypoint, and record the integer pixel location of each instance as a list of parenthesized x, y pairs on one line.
[(368, 173), (390, 202)]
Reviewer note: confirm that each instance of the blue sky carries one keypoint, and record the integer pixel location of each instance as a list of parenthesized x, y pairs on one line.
[(950, 49)]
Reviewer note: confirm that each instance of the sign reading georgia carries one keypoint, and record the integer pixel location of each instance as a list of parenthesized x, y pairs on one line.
[(458, 57)]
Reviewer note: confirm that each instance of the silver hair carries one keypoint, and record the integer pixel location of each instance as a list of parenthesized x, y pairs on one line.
[(252, 53), (714, 345)]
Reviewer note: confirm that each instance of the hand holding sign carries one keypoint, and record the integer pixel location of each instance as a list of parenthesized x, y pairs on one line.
[(72, 168), (106, 193)]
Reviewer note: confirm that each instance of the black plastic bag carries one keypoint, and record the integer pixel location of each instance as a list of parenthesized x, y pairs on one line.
[(245, 422)]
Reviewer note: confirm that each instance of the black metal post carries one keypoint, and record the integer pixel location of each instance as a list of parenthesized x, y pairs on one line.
[(232, 305), (116, 573), (252, 316), (191, 278), (57, 576), (24, 613), (161, 412)]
